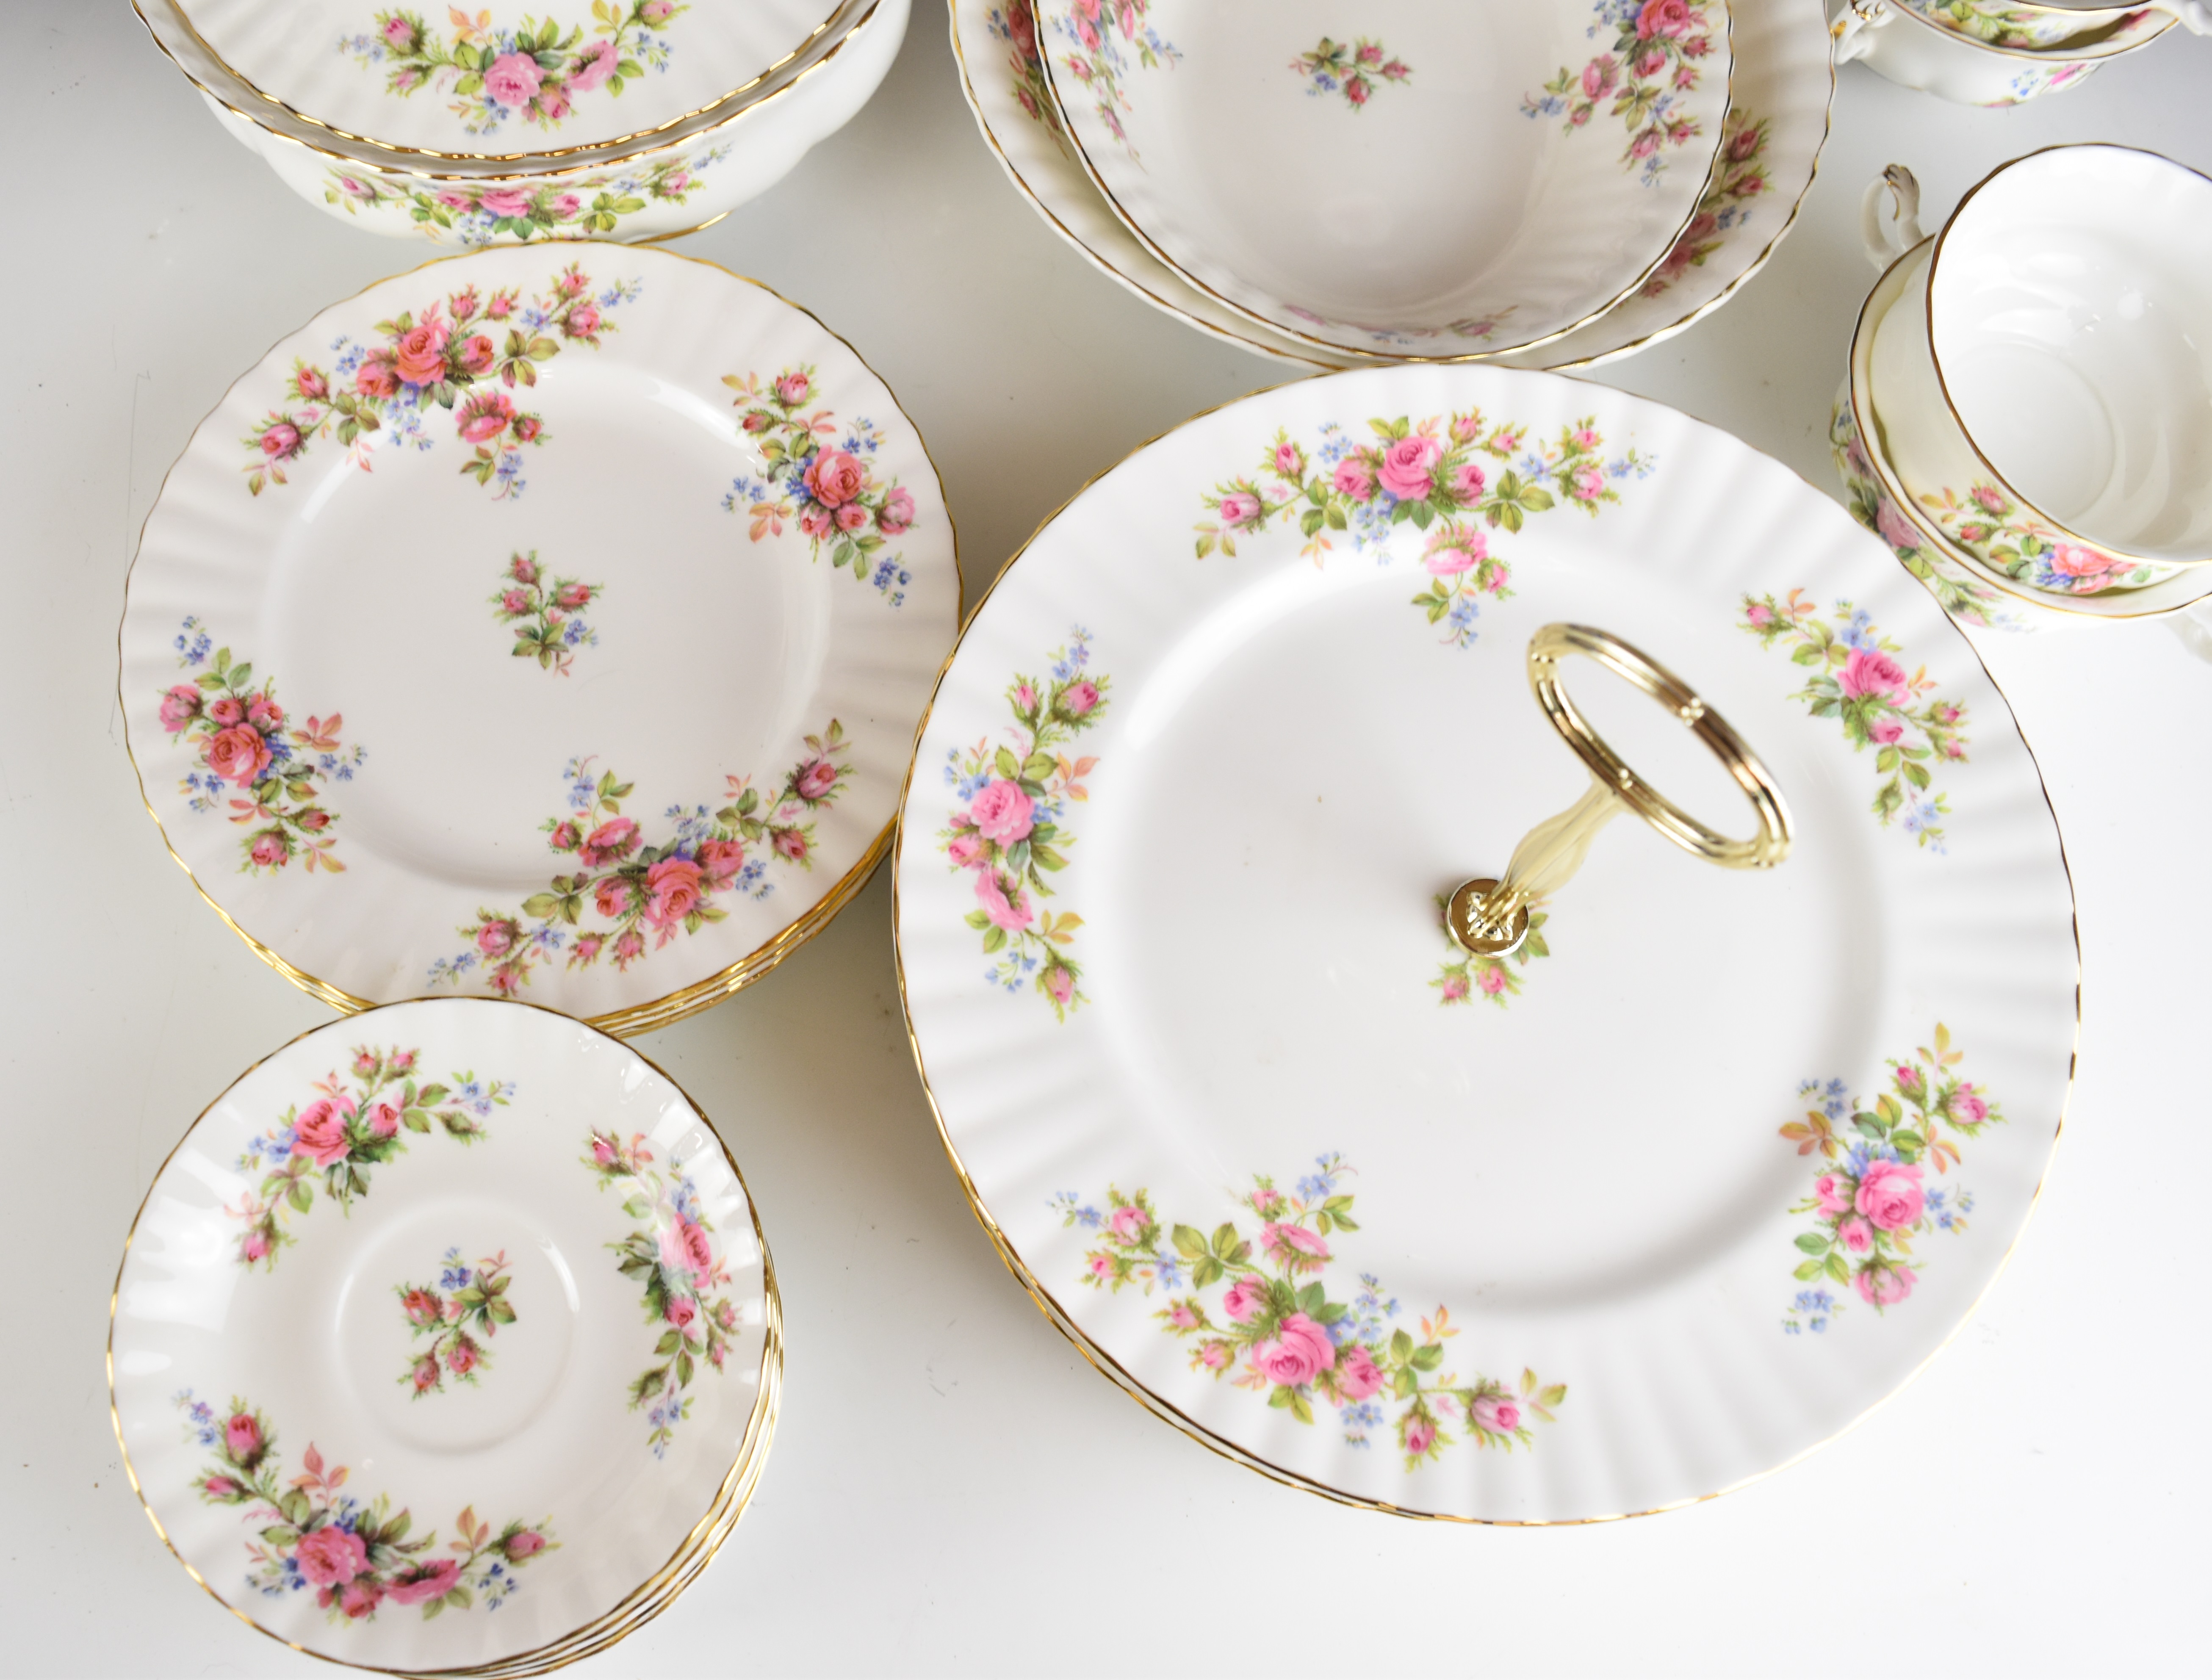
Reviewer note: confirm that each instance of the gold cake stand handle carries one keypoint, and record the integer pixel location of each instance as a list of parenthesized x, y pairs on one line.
[(1490, 917)]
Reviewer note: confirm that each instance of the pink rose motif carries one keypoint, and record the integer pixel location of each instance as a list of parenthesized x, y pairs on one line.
[(222, 1487), (242, 1439), (722, 859), (420, 354), (684, 1248), (1600, 76), (1664, 17), (1967, 1107), (524, 1543), (852, 516), (1358, 1375), (1215, 1356), (1648, 141), (376, 376), (1491, 979), (2066, 558), (657, 11), (420, 1584), (270, 851), (1451, 551), (256, 1246), (1454, 988), (1885, 1286), (423, 1306), (593, 66), (179, 707), (1406, 463), (475, 353), (583, 321), (1012, 914), (1421, 1435), (358, 1597), (1834, 1192), (1060, 984), (816, 523), (603, 1150), (1003, 814), (1182, 1317), (384, 1120), (514, 601), (1896, 529), (1288, 461), (262, 710), (1246, 1297), (1293, 1245), (523, 569), (1495, 1415), (403, 1061), (1857, 1235), (966, 850), (513, 79), (1300, 1352), (484, 417), (1239, 507), (1587, 482), (331, 1556), (1890, 1195), (1469, 483), (505, 202), (791, 844), (526, 427), (834, 478), (1126, 1224), (793, 389), (319, 1133), (896, 513), (281, 442), (227, 712), (1868, 671), (566, 838), (1100, 1266), (1886, 731), (1355, 89), (1354, 480), (495, 939), (612, 840), (1758, 615), (680, 1311), (612, 897), (1078, 699), (672, 891), (313, 820), (399, 33), (1987, 498)]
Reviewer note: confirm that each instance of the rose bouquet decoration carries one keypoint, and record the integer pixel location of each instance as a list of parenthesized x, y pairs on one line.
[(1657, 48)]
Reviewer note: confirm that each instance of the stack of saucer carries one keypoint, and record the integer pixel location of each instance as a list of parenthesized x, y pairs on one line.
[(655, 118), (1240, 168), (2028, 395)]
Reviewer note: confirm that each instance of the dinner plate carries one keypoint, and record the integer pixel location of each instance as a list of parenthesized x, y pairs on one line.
[(1780, 91), (446, 1339), (1670, 1195), (1598, 129), (503, 81), (542, 624)]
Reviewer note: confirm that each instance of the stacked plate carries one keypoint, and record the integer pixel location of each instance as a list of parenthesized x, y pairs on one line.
[(653, 118), (1240, 168), (544, 624), (500, 1403)]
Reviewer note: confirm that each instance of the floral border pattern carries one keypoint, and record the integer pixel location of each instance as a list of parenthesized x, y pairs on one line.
[(1353, 69), (1012, 829), (345, 1132), (671, 1256), (1870, 1201), (1740, 178), (1431, 477), (533, 70), (2008, 537), (1656, 48), (481, 215), (1097, 61), (829, 486), (1859, 681), (546, 614), (248, 744), (1279, 1334), (354, 1557), (635, 888), (1016, 28), (474, 1299), (445, 358)]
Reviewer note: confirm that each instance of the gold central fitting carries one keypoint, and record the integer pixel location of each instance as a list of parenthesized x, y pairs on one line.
[(1489, 916)]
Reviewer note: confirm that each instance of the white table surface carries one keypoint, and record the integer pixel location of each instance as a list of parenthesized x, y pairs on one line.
[(952, 1489)]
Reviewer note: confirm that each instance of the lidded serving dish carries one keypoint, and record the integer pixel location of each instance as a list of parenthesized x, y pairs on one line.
[(625, 118)]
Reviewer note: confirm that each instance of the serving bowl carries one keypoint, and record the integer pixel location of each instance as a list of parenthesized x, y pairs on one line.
[(2050, 348), (1293, 176), (1914, 50), (652, 180)]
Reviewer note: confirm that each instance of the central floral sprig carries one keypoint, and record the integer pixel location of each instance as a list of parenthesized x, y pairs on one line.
[(824, 481), (535, 70), (1657, 48), (1011, 831), (640, 889), (1430, 476), (546, 613), (1354, 69), (473, 1299), (449, 358), (343, 1133), (1463, 975), (248, 743), (1859, 681), (671, 1256), (355, 1557), (1279, 1332)]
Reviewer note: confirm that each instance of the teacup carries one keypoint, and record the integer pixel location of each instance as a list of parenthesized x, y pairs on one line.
[(1913, 51), (2006, 23), (2048, 357)]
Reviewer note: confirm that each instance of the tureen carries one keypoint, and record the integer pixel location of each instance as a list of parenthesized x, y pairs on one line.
[(1663, 1189), (544, 623), (1918, 48), (644, 118)]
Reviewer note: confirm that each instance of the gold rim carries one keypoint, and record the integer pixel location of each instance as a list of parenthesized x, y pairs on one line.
[(633, 1018), (724, 1510), (1873, 438), (1390, 358), (719, 102), (615, 159), (1935, 361), (1104, 1363)]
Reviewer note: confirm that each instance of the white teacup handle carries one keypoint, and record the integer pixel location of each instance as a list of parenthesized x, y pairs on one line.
[(2196, 17), (1849, 31), (1888, 238)]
